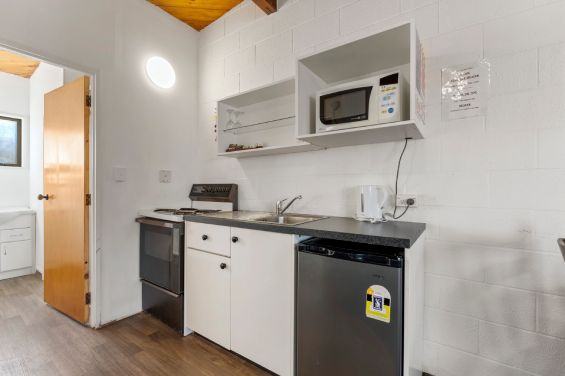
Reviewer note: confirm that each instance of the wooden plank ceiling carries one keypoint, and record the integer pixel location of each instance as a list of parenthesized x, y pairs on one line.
[(196, 13), (17, 64)]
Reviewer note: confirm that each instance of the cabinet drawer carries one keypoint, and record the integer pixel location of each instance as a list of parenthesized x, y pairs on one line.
[(209, 238), (15, 235), (16, 255)]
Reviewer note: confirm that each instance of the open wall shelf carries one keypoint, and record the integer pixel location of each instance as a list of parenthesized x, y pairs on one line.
[(270, 150), (281, 116), (265, 116), (267, 124), (394, 49)]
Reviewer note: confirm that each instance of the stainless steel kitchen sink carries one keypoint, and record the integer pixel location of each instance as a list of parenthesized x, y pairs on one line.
[(291, 220), (264, 217)]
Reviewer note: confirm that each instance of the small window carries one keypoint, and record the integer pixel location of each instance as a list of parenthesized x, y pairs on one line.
[(10, 142)]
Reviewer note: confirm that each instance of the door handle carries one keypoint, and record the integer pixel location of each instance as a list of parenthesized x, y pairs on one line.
[(561, 243), (43, 197), (223, 265), (234, 239), (204, 237)]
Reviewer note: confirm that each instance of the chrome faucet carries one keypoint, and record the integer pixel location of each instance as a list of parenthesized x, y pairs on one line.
[(279, 209)]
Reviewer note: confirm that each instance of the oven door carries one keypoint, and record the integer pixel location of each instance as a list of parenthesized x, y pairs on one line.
[(344, 109), (161, 259)]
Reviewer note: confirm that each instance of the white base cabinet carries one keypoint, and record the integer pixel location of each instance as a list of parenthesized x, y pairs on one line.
[(17, 242), (243, 302), (207, 288), (262, 298), (16, 255)]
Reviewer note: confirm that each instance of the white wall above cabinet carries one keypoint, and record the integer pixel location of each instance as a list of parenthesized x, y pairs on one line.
[(393, 49)]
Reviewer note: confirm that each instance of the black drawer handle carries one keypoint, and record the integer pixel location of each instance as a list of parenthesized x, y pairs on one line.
[(204, 237), (223, 265), (234, 239)]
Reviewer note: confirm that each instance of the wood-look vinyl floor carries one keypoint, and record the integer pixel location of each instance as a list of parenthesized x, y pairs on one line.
[(37, 340)]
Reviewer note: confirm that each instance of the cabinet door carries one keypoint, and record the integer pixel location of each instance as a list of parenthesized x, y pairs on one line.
[(16, 255), (207, 295), (262, 298)]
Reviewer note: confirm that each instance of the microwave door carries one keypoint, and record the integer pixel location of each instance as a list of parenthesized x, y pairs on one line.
[(345, 107)]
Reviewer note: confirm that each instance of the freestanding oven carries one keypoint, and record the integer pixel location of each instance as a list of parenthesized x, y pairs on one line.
[(161, 256), (161, 269)]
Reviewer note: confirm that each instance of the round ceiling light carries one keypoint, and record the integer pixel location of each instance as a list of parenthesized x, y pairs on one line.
[(160, 72)]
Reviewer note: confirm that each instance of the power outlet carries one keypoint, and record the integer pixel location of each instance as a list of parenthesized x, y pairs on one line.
[(165, 176), (402, 200)]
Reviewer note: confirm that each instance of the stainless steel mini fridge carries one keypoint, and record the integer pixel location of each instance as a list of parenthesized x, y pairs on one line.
[(349, 309)]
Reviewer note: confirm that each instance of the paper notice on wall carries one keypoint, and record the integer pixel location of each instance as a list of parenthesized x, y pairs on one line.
[(465, 90)]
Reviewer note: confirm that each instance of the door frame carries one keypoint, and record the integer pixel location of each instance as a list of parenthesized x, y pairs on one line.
[(94, 320)]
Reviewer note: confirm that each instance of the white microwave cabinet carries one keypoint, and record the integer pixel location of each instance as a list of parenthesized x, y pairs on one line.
[(242, 298), (17, 243)]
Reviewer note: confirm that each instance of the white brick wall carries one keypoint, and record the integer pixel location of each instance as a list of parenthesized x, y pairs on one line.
[(492, 188), (522, 349)]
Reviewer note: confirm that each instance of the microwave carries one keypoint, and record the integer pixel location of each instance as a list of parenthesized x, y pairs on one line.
[(371, 101)]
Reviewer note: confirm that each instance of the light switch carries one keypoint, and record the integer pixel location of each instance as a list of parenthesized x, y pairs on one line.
[(120, 174), (165, 176)]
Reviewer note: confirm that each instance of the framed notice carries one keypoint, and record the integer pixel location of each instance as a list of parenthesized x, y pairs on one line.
[(464, 90)]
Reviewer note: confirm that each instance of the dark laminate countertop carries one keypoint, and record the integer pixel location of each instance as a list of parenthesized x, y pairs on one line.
[(391, 234)]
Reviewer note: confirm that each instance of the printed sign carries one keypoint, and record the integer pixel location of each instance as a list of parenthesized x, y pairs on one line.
[(465, 90), (378, 303)]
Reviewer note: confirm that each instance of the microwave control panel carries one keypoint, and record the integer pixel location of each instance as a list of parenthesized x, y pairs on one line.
[(389, 88)]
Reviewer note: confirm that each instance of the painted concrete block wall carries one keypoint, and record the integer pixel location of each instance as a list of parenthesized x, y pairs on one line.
[(492, 187), (14, 102)]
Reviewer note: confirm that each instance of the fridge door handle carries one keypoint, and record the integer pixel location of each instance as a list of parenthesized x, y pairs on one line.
[(561, 243)]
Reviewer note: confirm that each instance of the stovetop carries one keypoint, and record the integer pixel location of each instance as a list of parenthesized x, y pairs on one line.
[(174, 215), (185, 211), (210, 198)]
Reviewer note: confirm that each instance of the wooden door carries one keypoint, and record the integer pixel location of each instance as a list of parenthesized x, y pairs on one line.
[(66, 185), (262, 298), (207, 295)]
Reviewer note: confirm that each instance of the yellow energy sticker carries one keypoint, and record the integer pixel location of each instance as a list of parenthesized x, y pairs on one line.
[(378, 304)]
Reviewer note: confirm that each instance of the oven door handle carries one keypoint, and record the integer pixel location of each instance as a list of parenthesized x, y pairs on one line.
[(152, 222), (160, 289)]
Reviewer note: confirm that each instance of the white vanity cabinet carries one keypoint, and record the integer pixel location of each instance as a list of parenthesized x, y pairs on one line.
[(262, 298), (17, 243), (242, 299), (16, 255)]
